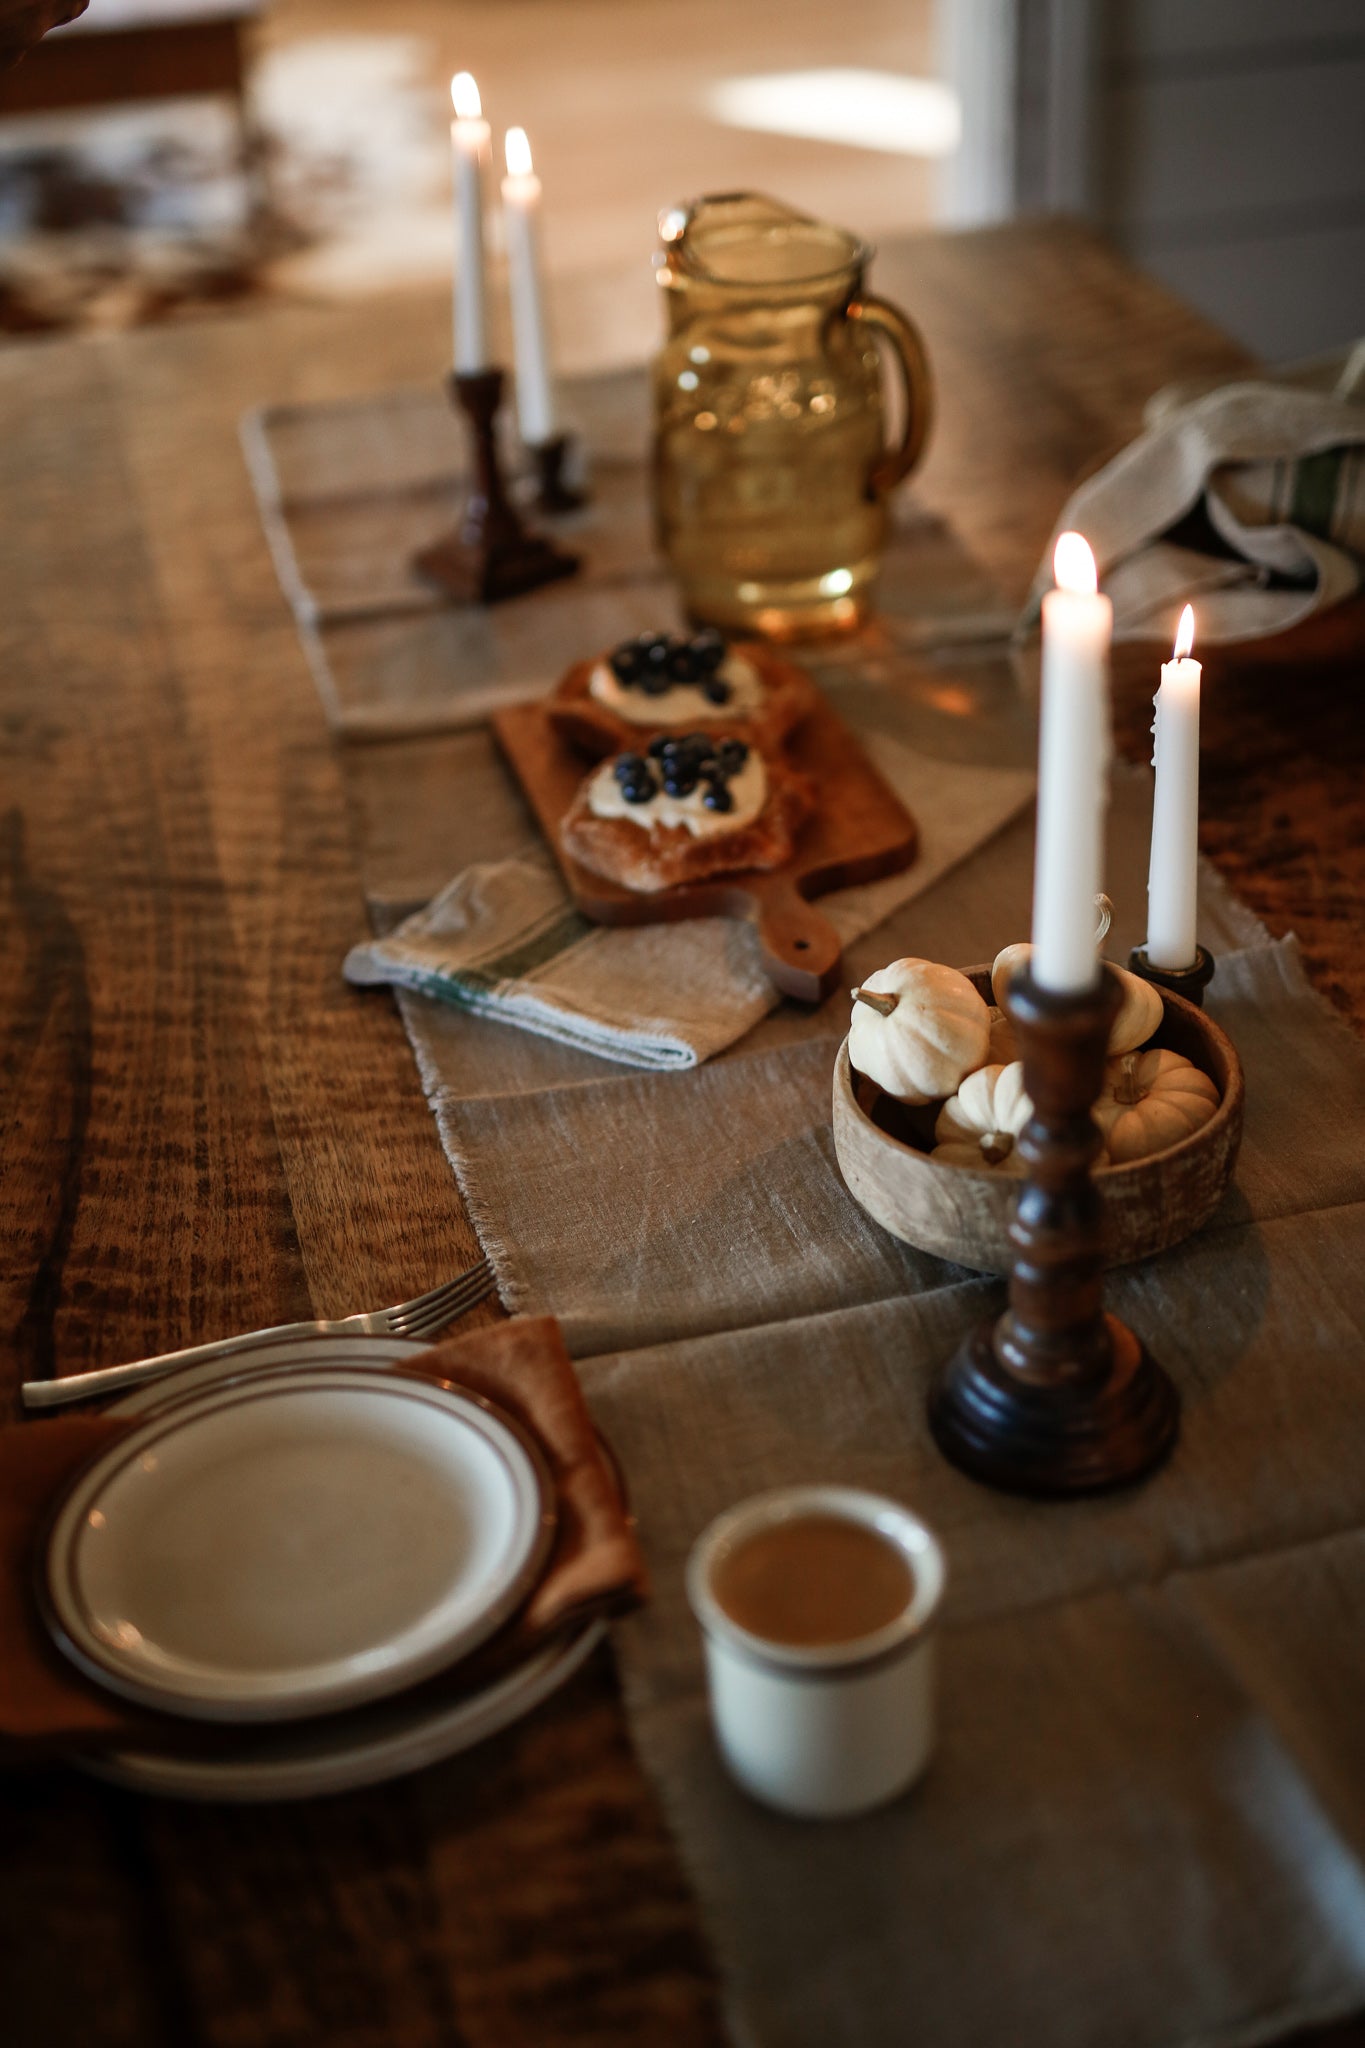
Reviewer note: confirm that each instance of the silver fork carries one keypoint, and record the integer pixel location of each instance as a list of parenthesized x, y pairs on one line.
[(423, 1316)]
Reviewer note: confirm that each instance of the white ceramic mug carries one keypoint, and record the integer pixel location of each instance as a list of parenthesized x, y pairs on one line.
[(833, 1728)]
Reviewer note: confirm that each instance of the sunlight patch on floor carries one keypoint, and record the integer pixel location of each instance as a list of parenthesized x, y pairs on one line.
[(864, 109)]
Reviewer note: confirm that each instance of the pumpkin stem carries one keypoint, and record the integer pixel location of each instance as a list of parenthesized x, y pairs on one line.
[(995, 1146), (1128, 1091), (883, 1005)]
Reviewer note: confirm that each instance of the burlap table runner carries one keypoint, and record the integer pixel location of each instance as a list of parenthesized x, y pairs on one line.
[(1146, 1821)]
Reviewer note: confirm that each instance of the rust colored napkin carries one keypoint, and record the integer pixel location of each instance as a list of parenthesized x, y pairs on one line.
[(595, 1567)]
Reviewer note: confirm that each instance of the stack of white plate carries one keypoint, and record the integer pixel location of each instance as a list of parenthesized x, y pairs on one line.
[(298, 1536)]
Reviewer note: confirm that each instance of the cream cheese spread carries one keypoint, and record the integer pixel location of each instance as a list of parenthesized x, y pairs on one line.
[(681, 704), (748, 792)]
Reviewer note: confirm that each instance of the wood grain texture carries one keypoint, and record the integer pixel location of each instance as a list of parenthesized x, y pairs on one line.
[(206, 1129), (1047, 347), (1282, 794), (209, 1130)]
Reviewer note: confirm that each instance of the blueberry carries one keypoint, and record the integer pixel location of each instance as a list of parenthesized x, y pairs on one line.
[(658, 748), (630, 768), (681, 667), (654, 650), (655, 683), (732, 754), (715, 691), (626, 662), (718, 797), (708, 650), (639, 792), (680, 783)]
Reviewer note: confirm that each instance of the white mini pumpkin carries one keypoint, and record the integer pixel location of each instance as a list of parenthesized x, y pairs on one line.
[(1006, 965), (1139, 1013), (1004, 1045), (924, 1029), (978, 1126), (1149, 1102)]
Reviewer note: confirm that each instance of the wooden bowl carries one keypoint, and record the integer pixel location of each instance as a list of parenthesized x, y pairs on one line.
[(964, 1215)]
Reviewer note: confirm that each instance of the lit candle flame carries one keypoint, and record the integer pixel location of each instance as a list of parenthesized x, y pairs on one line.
[(465, 95), (518, 153), (1184, 633), (1073, 565)]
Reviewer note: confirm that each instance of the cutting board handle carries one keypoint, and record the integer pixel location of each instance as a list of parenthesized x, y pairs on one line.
[(802, 951)]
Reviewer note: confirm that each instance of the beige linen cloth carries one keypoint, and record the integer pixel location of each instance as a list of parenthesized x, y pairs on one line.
[(503, 940), (1145, 1823), (1248, 498), (347, 492)]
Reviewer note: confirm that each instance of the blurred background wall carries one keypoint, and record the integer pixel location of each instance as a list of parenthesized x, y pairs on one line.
[(161, 157), (1219, 143)]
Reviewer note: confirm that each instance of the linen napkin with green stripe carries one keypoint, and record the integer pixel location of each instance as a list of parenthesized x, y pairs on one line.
[(1248, 498), (503, 939)]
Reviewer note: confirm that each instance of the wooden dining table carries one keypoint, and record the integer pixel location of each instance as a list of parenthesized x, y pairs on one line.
[(206, 1130)]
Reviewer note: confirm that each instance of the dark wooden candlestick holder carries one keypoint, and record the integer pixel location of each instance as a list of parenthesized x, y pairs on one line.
[(548, 459), (488, 555), (1189, 982), (1055, 1396)]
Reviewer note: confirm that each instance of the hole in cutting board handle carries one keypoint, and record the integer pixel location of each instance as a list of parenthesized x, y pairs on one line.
[(801, 949)]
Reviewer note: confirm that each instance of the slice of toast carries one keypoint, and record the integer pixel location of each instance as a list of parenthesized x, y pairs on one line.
[(596, 730), (650, 857)]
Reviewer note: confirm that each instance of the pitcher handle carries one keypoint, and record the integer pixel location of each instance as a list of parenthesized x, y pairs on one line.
[(917, 382)]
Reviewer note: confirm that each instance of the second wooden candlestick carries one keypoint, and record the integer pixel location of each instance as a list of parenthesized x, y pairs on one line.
[(1055, 1396), (489, 555)]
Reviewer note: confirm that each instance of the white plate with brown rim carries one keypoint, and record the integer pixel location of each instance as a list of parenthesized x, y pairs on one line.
[(294, 1538)]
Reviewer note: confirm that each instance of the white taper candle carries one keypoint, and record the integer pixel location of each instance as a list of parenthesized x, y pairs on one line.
[(470, 153), (1172, 878), (1073, 773), (530, 346)]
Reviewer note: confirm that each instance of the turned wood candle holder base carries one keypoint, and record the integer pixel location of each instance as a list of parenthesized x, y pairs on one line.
[(548, 462), (1189, 982), (1062, 1435), (1054, 1396), (489, 555)]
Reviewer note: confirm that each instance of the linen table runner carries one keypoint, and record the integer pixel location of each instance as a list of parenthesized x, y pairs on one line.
[(349, 491), (1146, 1821)]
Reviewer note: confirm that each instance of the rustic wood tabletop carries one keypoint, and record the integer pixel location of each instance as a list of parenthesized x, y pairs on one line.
[(207, 1130)]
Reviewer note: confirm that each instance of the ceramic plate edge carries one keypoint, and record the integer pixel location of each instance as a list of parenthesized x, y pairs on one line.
[(377, 1685)]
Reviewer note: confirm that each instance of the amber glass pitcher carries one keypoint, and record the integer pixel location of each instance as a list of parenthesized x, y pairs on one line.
[(771, 464)]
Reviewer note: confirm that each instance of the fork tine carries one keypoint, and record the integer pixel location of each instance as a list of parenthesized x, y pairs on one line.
[(444, 1304), (436, 1303), (437, 1319), (453, 1289), (438, 1293)]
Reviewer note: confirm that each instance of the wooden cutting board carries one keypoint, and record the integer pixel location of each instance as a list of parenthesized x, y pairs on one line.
[(860, 831)]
